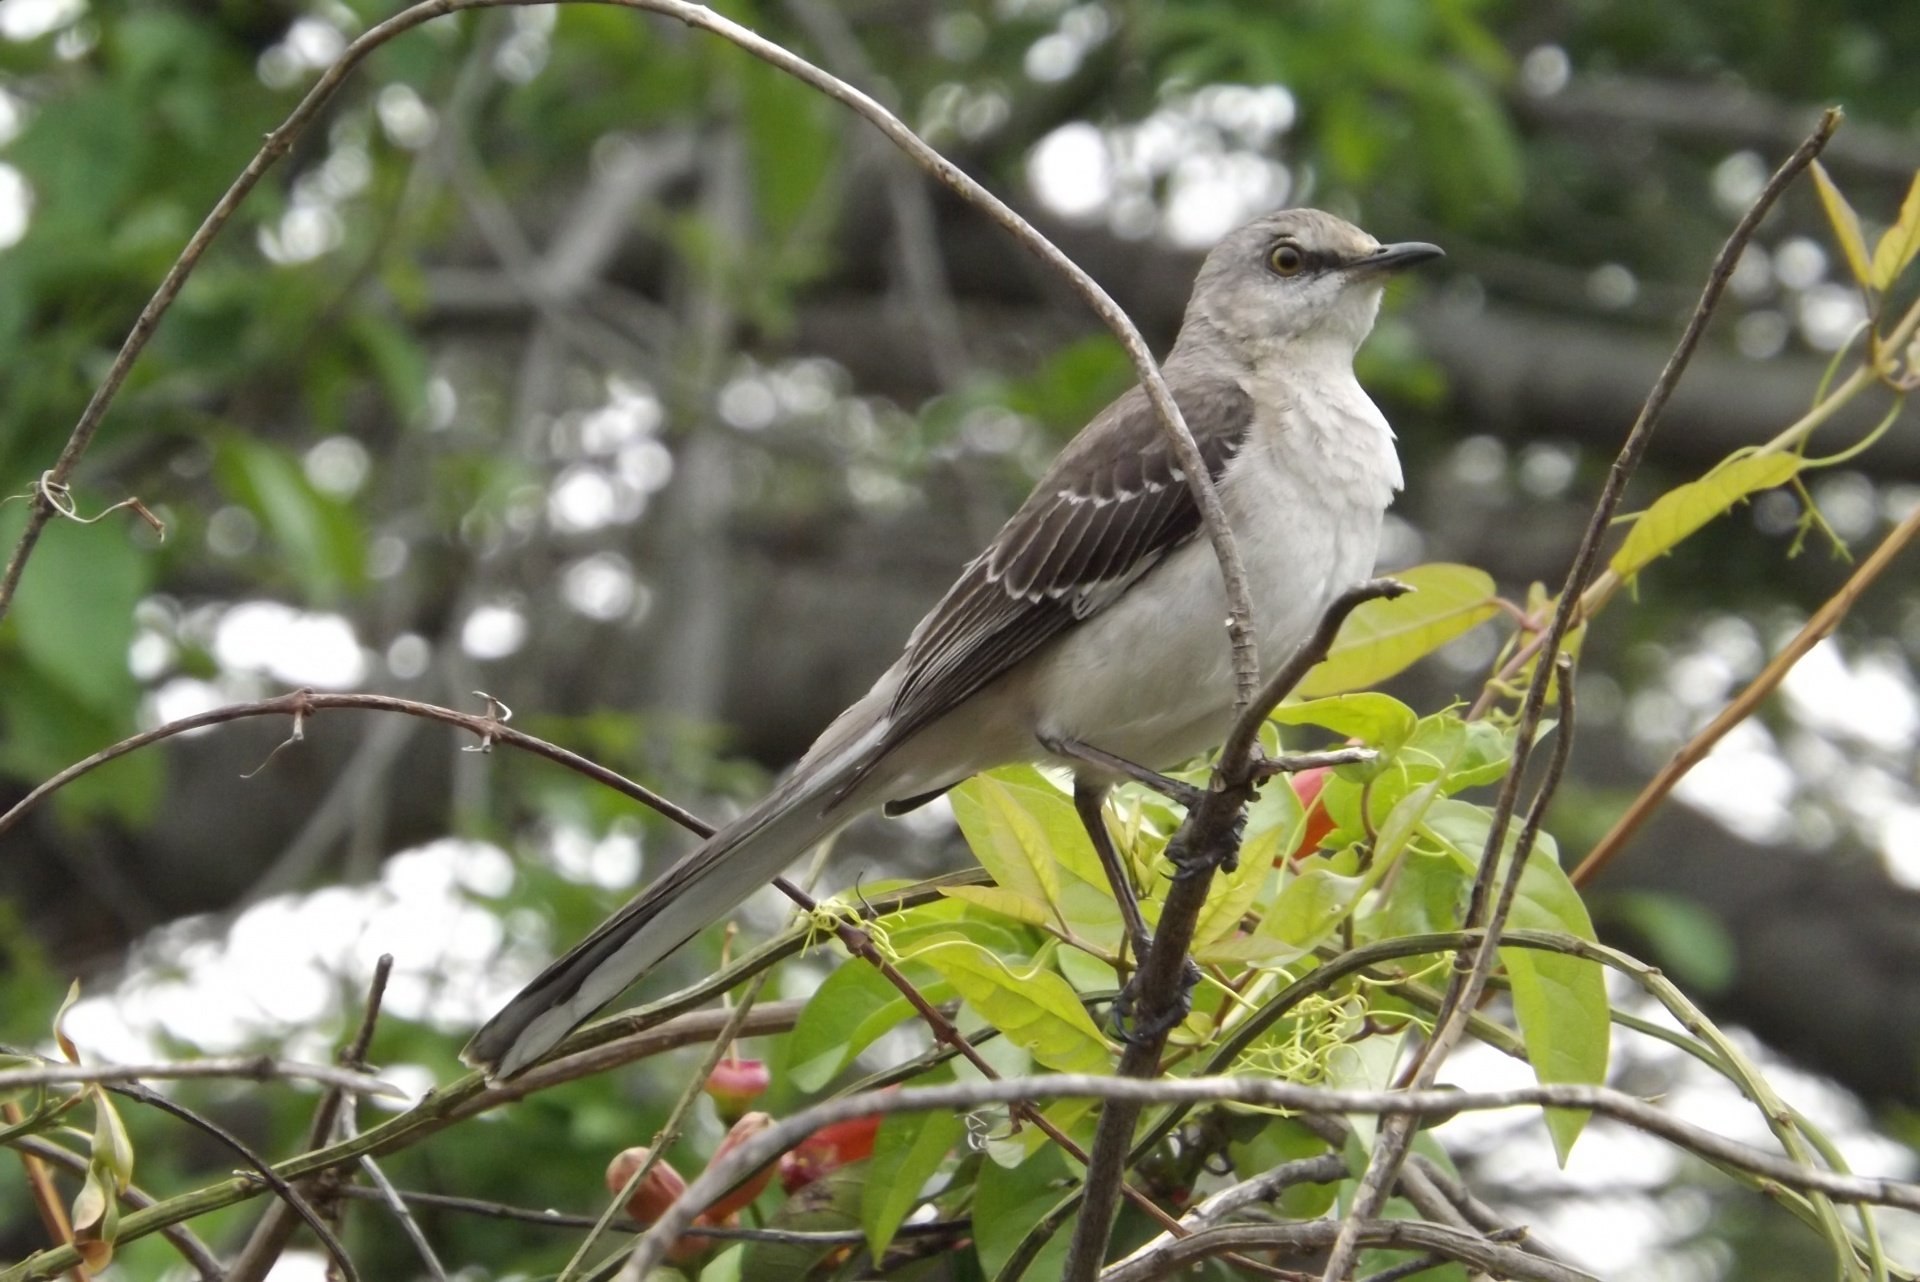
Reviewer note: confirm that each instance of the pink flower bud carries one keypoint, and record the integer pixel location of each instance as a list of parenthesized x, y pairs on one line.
[(736, 1083), (743, 1194), (659, 1190)]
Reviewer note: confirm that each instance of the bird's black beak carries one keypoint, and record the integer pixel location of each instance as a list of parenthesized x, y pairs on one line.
[(1393, 258)]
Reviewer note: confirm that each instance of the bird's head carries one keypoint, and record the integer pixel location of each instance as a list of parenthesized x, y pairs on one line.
[(1296, 278)]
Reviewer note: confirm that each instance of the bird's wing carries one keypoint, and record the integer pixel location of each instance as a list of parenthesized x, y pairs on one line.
[(1111, 506)]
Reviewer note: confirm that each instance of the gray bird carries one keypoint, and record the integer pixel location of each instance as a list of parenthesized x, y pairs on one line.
[(1090, 632)]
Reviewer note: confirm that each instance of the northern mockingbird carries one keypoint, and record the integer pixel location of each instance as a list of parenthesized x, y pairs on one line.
[(1090, 631)]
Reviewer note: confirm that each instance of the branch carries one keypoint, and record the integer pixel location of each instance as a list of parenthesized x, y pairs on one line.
[(559, 1220), (1480, 1253), (1213, 518), (254, 1068), (191, 1248), (1204, 841), (1819, 627), (1271, 1093), (1390, 1147), (270, 1235), (302, 703)]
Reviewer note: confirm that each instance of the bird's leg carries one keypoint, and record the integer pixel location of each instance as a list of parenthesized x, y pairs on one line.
[(1184, 794), (1088, 799)]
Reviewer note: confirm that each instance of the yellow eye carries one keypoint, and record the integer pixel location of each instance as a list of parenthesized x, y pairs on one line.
[(1286, 260)]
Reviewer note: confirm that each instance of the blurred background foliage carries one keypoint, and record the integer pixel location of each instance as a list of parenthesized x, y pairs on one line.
[(582, 359)]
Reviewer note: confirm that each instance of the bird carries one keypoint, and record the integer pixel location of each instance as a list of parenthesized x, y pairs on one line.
[(1090, 632)]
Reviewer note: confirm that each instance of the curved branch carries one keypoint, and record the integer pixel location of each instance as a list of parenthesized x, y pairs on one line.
[(1480, 1253), (1246, 666), (300, 703), (768, 1144)]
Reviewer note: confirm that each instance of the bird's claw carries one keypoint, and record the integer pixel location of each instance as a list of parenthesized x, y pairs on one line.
[(1136, 1032)]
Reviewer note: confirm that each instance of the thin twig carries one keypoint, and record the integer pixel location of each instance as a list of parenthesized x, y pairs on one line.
[(268, 1240), (1246, 665), (253, 1068), (1390, 1146), (46, 1199), (560, 1220), (1818, 628), (1481, 1254), (301, 703), (259, 1168), (195, 1252), (1327, 1168), (669, 1133), (391, 1199)]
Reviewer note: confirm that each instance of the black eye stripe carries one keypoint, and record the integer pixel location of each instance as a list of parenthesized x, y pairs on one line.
[(1310, 260)]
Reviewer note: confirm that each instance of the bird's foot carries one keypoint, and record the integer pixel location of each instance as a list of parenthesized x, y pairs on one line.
[(1189, 862), (1138, 1032)]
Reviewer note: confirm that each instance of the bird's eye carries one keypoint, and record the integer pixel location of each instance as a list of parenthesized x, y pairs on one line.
[(1286, 260)]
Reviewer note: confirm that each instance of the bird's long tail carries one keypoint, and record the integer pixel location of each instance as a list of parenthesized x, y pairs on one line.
[(692, 895)]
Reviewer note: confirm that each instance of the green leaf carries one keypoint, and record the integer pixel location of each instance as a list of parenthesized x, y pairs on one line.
[(1309, 907), (1036, 1009), (1381, 638), (1900, 243), (317, 536), (73, 615), (846, 1014), (1687, 940), (906, 1152), (1376, 719), (829, 1204), (1679, 512), (1846, 224), (1559, 1001), (1009, 1201)]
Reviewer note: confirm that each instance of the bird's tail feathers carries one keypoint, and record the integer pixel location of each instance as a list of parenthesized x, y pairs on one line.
[(696, 892)]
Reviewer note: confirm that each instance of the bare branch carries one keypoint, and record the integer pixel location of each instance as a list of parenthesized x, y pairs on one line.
[(1272, 1093), (254, 1068), (1390, 1147), (1820, 626), (1480, 1253), (1246, 666), (302, 703), (1205, 839), (195, 1252)]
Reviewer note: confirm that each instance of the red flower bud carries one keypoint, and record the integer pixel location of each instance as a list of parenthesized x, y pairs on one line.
[(742, 1194), (736, 1083), (1307, 786), (828, 1149), (659, 1190)]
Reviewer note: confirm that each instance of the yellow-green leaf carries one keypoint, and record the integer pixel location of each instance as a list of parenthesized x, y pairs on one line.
[(1309, 907), (1377, 719), (60, 1037), (1036, 1009), (1901, 242), (998, 899), (1679, 512), (1382, 637), (1846, 224), (1232, 894), (907, 1150), (1008, 837)]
